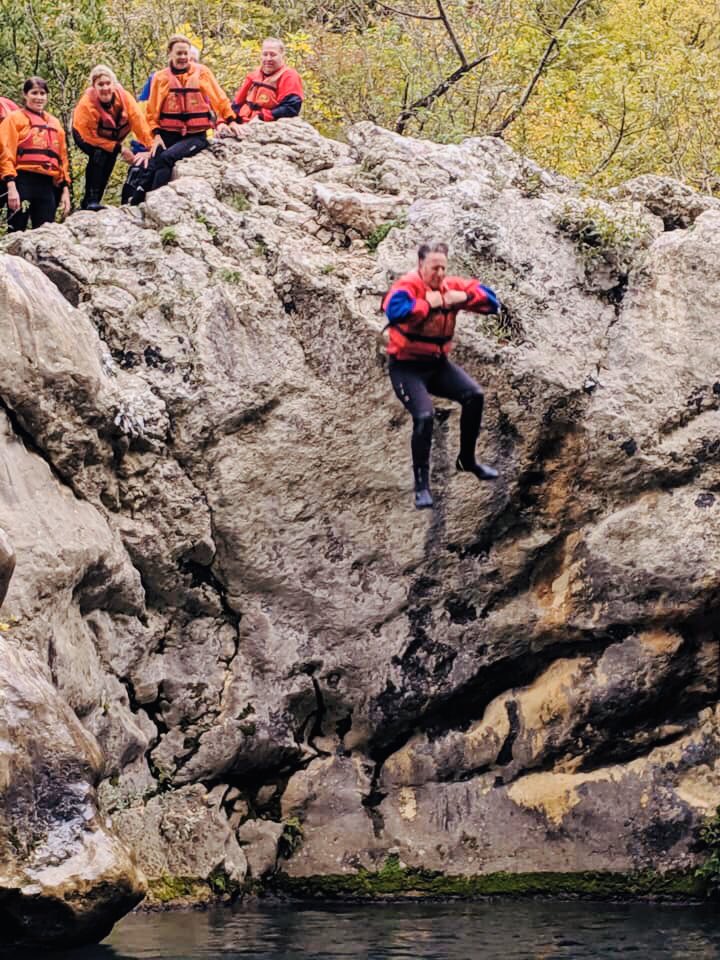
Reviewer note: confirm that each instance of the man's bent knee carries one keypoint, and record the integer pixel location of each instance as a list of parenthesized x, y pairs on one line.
[(423, 425), (473, 399)]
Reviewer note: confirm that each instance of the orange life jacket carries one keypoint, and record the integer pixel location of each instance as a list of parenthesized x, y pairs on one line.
[(185, 109), (39, 152), (113, 123), (432, 337), (261, 95), (6, 106)]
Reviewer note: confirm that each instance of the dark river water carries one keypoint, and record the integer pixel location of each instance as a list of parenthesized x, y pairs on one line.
[(524, 930)]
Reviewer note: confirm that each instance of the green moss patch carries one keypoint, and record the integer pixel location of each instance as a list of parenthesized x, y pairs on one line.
[(394, 881)]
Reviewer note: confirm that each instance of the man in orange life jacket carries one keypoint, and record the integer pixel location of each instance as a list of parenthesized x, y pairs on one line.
[(421, 308), (185, 100), (271, 92), (102, 119)]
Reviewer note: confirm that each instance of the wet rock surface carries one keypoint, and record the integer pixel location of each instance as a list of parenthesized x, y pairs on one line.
[(227, 582)]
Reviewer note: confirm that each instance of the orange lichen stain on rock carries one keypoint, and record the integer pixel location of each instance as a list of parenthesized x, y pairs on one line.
[(407, 804), (554, 592), (700, 787), (661, 642), (484, 739), (559, 500), (550, 699), (555, 795)]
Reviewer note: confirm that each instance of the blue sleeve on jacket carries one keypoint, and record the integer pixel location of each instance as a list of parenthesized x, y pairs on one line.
[(289, 106), (399, 306), (145, 92), (491, 296)]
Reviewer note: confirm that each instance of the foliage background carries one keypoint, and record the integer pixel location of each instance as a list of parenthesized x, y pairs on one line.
[(630, 87)]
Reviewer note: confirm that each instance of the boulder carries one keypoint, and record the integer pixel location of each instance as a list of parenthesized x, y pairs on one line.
[(228, 582), (65, 877)]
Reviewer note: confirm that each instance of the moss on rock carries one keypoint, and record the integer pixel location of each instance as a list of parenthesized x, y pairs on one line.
[(393, 880)]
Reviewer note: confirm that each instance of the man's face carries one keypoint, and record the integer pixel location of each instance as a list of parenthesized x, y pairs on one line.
[(432, 270), (180, 56), (104, 86), (36, 99), (271, 59)]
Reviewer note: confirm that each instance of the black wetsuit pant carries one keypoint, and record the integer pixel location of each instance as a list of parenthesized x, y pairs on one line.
[(98, 171), (39, 196), (415, 380), (177, 147)]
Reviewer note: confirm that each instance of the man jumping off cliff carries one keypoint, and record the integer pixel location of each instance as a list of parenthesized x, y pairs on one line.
[(421, 308)]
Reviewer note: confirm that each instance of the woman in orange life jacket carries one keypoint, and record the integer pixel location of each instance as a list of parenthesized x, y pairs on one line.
[(421, 308), (34, 160), (102, 119), (185, 99), (271, 92)]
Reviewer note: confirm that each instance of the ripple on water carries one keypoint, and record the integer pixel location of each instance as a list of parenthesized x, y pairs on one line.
[(507, 930)]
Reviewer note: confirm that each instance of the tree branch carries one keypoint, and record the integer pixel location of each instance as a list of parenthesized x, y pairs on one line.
[(451, 33), (539, 70), (410, 112), (618, 139)]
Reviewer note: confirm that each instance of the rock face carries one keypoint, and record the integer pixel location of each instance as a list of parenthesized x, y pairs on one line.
[(64, 877), (227, 581)]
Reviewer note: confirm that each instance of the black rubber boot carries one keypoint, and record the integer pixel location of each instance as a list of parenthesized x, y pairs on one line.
[(481, 470), (470, 421), (420, 444), (423, 497)]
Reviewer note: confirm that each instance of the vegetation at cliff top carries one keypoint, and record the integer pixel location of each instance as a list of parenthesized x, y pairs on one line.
[(597, 89)]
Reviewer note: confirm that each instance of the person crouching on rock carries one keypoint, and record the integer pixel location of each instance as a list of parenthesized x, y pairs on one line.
[(421, 308), (271, 92), (34, 160), (185, 99), (102, 119)]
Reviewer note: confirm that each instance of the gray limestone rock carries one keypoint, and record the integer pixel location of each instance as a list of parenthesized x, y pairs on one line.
[(65, 878), (227, 581)]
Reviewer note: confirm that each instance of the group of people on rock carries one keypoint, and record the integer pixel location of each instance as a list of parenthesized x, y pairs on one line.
[(184, 103)]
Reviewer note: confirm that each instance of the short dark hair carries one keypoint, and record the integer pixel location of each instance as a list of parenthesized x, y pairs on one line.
[(35, 82), (425, 248)]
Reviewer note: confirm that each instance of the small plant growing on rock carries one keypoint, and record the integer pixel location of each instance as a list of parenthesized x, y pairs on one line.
[(603, 234), (291, 838), (238, 201), (168, 237), (379, 233), (230, 276), (201, 218), (709, 871)]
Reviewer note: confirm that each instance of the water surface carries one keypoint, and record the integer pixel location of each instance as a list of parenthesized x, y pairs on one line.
[(506, 930)]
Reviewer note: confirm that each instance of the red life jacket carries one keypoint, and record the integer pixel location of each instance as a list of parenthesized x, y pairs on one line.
[(431, 337), (185, 109), (113, 121), (262, 94), (6, 106), (39, 152)]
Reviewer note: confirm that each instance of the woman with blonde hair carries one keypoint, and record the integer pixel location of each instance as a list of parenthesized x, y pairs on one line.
[(34, 160), (102, 119)]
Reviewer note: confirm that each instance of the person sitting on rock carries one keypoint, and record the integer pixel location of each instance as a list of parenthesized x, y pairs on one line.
[(6, 106), (185, 100), (272, 91), (421, 308), (34, 160), (102, 119)]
